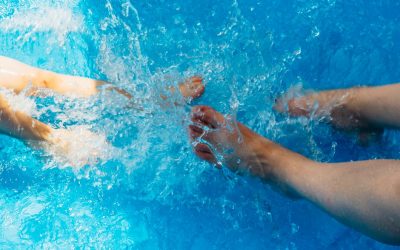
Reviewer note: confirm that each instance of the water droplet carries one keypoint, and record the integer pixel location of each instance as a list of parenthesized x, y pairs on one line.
[(315, 32)]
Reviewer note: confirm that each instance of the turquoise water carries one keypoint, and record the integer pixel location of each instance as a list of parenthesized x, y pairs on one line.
[(151, 192)]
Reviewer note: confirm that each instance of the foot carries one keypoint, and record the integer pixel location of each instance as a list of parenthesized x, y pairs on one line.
[(220, 140), (192, 88), (76, 147), (339, 107)]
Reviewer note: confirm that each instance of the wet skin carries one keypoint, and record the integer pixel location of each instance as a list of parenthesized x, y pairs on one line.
[(365, 110), (364, 195), (17, 76)]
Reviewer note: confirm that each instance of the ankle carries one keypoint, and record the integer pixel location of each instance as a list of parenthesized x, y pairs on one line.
[(286, 170)]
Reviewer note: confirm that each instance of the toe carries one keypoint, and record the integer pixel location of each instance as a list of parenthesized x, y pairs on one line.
[(195, 132), (197, 91), (196, 79), (204, 152), (198, 134), (207, 116), (192, 88), (197, 86)]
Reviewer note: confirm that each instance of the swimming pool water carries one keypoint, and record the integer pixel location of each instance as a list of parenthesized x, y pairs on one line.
[(151, 192)]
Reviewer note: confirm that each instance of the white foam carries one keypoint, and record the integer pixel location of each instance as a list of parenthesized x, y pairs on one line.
[(77, 147), (20, 102), (58, 20)]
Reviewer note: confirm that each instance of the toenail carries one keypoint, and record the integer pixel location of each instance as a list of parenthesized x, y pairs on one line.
[(196, 129)]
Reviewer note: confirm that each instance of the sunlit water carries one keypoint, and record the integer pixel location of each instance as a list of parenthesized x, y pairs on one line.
[(150, 191)]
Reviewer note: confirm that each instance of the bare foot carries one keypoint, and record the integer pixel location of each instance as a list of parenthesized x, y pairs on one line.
[(337, 107), (192, 88), (220, 140), (76, 147)]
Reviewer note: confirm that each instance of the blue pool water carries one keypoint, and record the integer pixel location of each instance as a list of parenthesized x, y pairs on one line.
[(151, 192)]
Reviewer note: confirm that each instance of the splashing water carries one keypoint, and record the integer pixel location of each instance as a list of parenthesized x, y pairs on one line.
[(77, 147), (143, 188), (56, 19), (47, 19)]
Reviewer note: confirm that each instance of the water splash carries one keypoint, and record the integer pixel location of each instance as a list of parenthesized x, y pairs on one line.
[(77, 147), (150, 188), (57, 20)]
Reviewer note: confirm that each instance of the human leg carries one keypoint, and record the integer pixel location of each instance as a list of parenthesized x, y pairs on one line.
[(20, 125), (17, 76), (363, 195), (76, 146), (361, 108)]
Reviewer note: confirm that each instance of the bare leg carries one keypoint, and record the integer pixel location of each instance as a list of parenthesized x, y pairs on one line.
[(20, 125), (18, 76), (363, 108), (363, 195), (76, 147)]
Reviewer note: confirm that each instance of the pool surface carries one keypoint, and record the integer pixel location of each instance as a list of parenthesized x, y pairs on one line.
[(150, 191)]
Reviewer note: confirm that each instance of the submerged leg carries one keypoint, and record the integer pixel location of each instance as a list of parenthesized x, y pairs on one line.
[(75, 147), (363, 108), (20, 125), (363, 195)]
